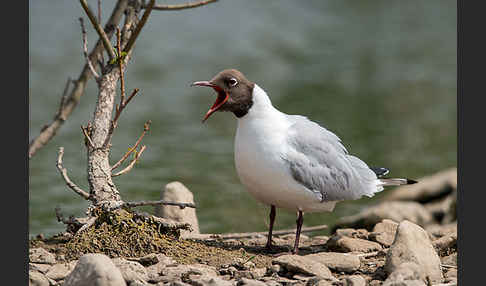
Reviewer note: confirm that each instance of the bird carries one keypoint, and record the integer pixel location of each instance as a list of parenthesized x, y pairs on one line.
[(288, 161)]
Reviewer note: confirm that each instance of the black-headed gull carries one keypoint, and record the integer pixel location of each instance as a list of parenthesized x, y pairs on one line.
[(289, 161)]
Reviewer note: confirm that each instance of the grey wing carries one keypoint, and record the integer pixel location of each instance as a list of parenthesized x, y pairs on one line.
[(318, 160)]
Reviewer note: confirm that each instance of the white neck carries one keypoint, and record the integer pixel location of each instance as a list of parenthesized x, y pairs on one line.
[(262, 106)]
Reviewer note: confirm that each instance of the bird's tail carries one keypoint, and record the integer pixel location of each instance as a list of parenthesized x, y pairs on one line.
[(395, 182)]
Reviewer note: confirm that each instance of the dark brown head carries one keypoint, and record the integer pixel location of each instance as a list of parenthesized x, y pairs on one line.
[(234, 92)]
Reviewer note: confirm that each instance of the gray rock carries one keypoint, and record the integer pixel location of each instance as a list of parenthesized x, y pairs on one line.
[(177, 192), (60, 271), (37, 279), (40, 255), (196, 269), (206, 280), (412, 244), (337, 261), (451, 273), (354, 233), (250, 282), (258, 272), (427, 189), (405, 283), (384, 232), (304, 265), (354, 280), (131, 271), (406, 271), (348, 244), (440, 230), (42, 268), (450, 260), (317, 281), (155, 270), (95, 269), (396, 211)]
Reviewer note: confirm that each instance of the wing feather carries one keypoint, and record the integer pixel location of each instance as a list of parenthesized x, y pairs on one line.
[(318, 160)]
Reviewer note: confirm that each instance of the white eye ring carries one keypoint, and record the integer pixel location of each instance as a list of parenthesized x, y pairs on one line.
[(233, 81)]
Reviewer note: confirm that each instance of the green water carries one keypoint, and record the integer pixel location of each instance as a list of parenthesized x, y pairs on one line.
[(380, 74)]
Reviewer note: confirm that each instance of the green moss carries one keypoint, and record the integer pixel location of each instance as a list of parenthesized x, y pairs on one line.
[(125, 233)]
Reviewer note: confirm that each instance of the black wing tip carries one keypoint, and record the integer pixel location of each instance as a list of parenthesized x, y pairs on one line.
[(380, 171), (411, 182)]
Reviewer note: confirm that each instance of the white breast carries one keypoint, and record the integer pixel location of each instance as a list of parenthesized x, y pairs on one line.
[(259, 144)]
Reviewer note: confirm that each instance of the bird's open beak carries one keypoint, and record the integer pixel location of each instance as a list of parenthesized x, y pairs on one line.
[(222, 97)]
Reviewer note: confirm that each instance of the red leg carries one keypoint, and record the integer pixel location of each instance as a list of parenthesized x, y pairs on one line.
[(300, 221), (272, 220)]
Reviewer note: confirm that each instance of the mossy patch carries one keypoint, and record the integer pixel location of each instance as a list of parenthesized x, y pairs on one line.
[(127, 234)]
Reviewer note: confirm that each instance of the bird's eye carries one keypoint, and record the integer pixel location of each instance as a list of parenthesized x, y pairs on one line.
[(232, 81)]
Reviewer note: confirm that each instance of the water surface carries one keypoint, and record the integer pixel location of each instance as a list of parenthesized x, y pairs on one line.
[(380, 74)]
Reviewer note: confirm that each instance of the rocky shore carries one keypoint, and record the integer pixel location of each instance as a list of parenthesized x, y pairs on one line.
[(409, 238)]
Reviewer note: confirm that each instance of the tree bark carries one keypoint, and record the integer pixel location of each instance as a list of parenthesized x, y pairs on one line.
[(102, 189)]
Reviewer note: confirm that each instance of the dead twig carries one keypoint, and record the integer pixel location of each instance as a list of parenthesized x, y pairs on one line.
[(89, 223), (146, 127), (132, 163), (253, 234), (182, 6), (120, 65), (63, 98), (85, 50), (64, 175), (88, 138), (71, 101), (99, 29), (138, 28), (155, 203)]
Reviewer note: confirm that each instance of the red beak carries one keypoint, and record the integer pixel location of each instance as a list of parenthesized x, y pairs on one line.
[(222, 97)]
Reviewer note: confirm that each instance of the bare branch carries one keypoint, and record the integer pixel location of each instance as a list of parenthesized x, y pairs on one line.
[(89, 223), (132, 163), (85, 49), (64, 175), (64, 96), (88, 138), (71, 101), (139, 27), (252, 234), (155, 203), (120, 65), (99, 12), (146, 127), (99, 29), (182, 6)]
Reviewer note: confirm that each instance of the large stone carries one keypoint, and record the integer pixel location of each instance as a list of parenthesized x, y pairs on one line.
[(412, 244), (303, 265), (348, 244), (131, 271), (206, 280), (337, 261), (193, 269), (354, 280), (396, 211), (40, 255), (95, 270), (428, 188), (60, 271), (384, 232), (37, 279), (249, 282), (177, 192)]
